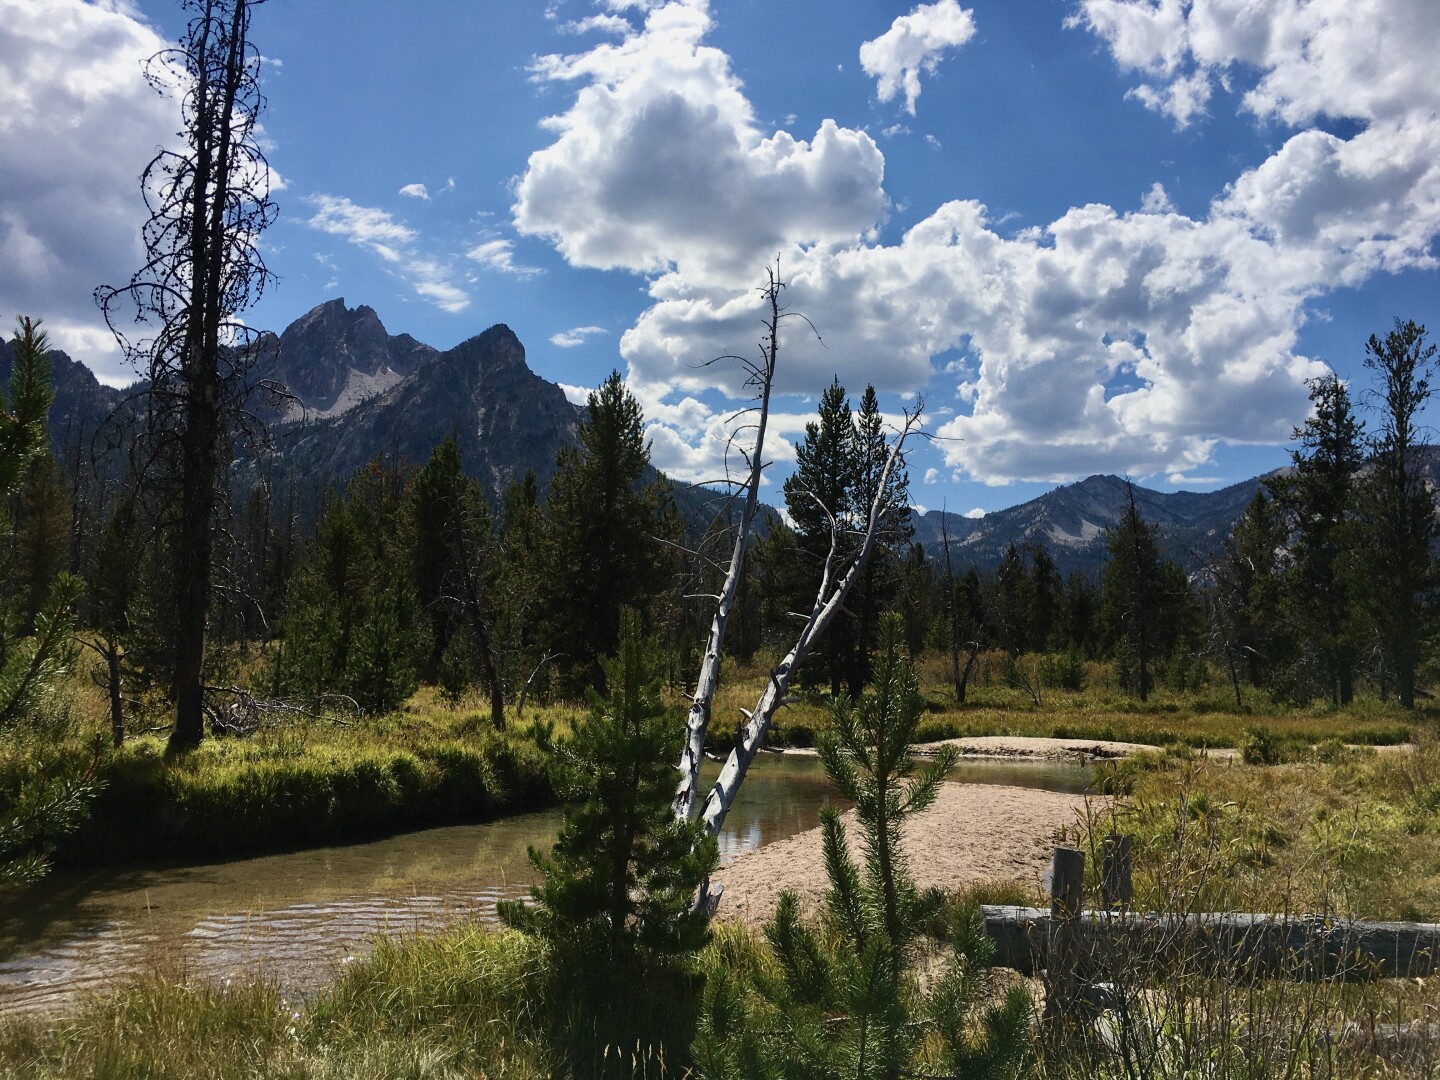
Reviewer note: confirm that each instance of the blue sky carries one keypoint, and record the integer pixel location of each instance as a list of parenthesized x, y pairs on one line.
[(1095, 235)]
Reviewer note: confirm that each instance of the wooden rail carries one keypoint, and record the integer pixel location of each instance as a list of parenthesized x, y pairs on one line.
[(1064, 941)]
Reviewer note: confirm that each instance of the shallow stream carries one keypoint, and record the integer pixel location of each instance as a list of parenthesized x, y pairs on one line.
[(294, 918)]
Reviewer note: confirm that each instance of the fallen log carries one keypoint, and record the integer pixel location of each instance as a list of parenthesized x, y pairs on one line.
[(1301, 948)]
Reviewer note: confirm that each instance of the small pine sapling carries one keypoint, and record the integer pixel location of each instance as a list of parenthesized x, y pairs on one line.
[(846, 1002), (618, 885)]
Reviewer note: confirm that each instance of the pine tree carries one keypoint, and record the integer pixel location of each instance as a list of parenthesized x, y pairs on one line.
[(1249, 579), (454, 571), (847, 1002), (837, 468), (620, 879), (353, 624), (49, 794), (1397, 507), (1319, 502), (1133, 589), (879, 584), (1044, 631), (604, 533), (818, 497), (1011, 603)]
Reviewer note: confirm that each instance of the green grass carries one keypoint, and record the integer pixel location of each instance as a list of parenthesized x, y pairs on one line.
[(1198, 716), (316, 781)]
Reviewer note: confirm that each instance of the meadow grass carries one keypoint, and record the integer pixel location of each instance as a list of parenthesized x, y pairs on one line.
[(1198, 716), (1350, 833), (303, 781)]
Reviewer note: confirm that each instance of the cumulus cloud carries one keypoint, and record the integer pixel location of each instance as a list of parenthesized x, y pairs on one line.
[(976, 513), (915, 43), (659, 165), (416, 191), (1366, 59), (1103, 341), (79, 124), (397, 244), (568, 339)]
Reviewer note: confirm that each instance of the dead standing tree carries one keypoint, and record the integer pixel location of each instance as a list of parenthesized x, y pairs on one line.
[(208, 204), (839, 575), (762, 377)]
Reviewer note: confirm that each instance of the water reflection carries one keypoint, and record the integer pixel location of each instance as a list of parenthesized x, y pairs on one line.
[(293, 918)]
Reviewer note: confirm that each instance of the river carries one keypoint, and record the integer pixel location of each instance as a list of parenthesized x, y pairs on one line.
[(295, 917)]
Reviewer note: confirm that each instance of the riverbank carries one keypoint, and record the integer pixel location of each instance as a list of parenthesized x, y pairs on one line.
[(974, 834), (309, 785)]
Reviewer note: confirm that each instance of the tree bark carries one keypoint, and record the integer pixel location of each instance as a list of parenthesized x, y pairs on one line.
[(697, 719), (828, 601)]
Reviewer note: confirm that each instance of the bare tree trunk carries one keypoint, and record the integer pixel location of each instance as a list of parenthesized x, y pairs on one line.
[(969, 668), (828, 601), (697, 720)]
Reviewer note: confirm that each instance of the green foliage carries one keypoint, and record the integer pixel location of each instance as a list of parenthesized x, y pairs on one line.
[(838, 467), (615, 903), (1397, 508), (354, 623), (601, 545), (1259, 746), (619, 883), (22, 418), (1318, 501), (845, 1000)]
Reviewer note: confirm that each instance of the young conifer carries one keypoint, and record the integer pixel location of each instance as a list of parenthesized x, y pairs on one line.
[(847, 1002)]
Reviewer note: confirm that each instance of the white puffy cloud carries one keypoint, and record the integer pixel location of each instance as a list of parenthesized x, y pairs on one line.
[(1108, 340), (1366, 59), (914, 43), (416, 191), (576, 335), (978, 512), (78, 123), (659, 164)]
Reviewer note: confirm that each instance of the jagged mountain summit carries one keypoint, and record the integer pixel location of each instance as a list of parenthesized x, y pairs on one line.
[(332, 358), (505, 418)]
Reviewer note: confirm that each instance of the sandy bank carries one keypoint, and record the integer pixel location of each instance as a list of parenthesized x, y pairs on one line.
[(1022, 746), (973, 833)]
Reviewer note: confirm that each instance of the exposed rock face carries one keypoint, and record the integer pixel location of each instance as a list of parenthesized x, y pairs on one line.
[(505, 418), (334, 357)]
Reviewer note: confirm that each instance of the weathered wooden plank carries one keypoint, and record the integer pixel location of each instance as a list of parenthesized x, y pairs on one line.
[(1276, 946)]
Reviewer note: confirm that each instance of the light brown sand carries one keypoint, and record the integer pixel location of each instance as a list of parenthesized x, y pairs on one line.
[(1033, 747), (973, 833)]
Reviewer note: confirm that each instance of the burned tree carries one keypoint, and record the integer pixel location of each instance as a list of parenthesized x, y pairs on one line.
[(208, 204)]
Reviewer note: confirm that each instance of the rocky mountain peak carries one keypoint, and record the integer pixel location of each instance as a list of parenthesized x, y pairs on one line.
[(334, 357)]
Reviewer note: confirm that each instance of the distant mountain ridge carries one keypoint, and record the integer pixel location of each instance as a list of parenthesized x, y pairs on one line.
[(505, 418), (1072, 520), (357, 391)]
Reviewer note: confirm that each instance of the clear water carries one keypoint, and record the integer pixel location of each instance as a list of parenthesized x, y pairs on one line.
[(294, 918)]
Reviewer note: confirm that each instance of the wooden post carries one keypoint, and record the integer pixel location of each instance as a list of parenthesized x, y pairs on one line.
[(1067, 879), (1115, 885)]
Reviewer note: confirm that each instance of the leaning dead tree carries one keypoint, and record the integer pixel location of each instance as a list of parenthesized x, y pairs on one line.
[(844, 565), (761, 376), (838, 577)]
